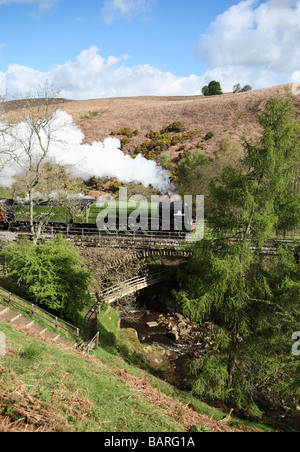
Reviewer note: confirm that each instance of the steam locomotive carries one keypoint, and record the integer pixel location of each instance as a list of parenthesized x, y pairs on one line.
[(100, 215)]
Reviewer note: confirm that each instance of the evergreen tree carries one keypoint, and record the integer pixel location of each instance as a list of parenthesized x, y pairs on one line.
[(190, 173), (253, 300)]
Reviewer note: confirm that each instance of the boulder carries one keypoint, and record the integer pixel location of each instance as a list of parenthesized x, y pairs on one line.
[(152, 324)]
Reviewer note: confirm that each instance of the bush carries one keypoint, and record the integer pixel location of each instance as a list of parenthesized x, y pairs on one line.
[(124, 141), (175, 127), (209, 136), (185, 153), (164, 160), (52, 272), (150, 149), (126, 132)]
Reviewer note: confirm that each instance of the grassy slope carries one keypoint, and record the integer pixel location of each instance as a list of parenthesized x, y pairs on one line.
[(43, 387)]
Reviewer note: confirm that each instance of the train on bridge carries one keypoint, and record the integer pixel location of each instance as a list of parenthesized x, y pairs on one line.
[(99, 215)]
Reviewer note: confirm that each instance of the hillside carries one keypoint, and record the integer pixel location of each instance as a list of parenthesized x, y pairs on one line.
[(47, 388), (214, 125), (44, 387), (233, 115)]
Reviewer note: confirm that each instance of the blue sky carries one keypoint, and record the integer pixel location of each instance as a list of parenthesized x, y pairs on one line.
[(109, 48)]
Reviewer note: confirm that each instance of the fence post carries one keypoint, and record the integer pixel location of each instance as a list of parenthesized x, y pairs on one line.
[(56, 322), (97, 339), (9, 299), (32, 309)]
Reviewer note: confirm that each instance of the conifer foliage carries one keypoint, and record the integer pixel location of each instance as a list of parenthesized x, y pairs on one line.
[(253, 299)]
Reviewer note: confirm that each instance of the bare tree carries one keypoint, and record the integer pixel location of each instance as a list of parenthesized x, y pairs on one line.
[(4, 156), (28, 136)]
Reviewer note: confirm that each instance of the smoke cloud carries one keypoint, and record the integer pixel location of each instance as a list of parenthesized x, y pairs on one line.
[(81, 160)]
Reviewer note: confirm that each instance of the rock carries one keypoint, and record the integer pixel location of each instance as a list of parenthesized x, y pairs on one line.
[(180, 317), (185, 332), (174, 335), (132, 336), (152, 324)]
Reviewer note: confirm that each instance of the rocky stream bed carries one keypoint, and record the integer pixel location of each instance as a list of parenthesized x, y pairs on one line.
[(169, 342)]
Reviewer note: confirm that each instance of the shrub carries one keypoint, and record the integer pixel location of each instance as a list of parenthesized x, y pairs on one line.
[(228, 151), (209, 136), (153, 135), (184, 137), (176, 127), (124, 141), (150, 149), (184, 153), (164, 160), (52, 272), (126, 132)]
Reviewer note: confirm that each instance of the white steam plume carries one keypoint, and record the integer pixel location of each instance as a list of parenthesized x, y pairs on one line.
[(82, 160)]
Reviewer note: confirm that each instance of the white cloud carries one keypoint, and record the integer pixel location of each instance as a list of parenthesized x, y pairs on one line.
[(124, 9), (92, 76), (261, 42), (19, 80), (43, 5)]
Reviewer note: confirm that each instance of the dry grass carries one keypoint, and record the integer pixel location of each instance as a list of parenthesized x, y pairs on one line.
[(183, 413), (21, 412), (232, 115)]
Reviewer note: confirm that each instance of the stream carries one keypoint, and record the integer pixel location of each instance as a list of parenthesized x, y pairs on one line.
[(169, 342)]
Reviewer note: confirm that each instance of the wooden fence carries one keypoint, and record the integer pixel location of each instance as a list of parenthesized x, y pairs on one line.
[(33, 310), (132, 285)]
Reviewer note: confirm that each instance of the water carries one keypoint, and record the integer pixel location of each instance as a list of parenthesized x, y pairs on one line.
[(167, 357)]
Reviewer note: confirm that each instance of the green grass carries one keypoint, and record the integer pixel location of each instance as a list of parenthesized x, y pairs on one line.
[(92, 114), (90, 393), (40, 317), (86, 395), (114, 342)]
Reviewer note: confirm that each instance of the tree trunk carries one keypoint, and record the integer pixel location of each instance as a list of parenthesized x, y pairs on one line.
[(31, 219), (232, 358)]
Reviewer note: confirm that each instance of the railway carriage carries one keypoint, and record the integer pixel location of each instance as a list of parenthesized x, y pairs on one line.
[(100, 215)]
